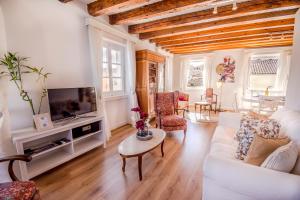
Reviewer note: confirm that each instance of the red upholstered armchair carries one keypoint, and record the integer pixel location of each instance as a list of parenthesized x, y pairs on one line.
[(18, 190), (166, 118), (181, 102)]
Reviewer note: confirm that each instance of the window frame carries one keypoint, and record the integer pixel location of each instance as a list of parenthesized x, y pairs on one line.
[(277, 73), (186, 79), (110, 47)]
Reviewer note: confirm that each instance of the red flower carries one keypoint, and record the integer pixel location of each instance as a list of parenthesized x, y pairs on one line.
[(140, 124), (137, 109), (143, 115)]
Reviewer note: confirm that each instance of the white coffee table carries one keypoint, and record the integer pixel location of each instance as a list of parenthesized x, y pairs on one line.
[(132, 147)]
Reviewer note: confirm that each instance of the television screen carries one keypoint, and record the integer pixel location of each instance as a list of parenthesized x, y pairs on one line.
[(70, 102)]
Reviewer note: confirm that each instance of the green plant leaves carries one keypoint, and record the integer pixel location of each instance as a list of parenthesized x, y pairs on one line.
[(15, 68)]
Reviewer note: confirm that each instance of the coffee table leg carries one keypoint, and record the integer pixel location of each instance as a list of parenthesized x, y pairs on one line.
[(124, 164), (162, 148), (140, 167)]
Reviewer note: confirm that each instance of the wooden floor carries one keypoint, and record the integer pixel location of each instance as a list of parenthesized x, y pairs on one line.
[(98, 175)]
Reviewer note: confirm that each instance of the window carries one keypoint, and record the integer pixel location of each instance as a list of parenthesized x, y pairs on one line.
[(263, 72), (195, 74), (113, 70)]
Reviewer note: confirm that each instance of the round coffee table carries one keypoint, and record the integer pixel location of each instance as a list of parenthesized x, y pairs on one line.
[(132, 147)]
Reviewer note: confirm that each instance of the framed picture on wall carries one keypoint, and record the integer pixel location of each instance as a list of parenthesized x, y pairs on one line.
[(226, 70), (43, 122)]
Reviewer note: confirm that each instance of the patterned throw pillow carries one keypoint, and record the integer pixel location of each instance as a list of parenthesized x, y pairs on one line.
[(268, 128)]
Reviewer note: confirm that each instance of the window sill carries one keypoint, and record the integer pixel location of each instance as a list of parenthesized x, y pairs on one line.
[(115, 98)]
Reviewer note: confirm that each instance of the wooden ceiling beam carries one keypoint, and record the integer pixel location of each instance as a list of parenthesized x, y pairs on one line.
[(236, 35), (254, 38), (224, 11), (153, 10), (194, 51), (230, 29), (258, 42), (230, 43), (101, 7), (212, 24)]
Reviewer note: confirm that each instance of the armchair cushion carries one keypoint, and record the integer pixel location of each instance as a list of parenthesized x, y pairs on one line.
[(172, 121), (18, 190), (165, 103)]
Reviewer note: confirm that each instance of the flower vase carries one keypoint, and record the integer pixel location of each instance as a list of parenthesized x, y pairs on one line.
[(144, 134)]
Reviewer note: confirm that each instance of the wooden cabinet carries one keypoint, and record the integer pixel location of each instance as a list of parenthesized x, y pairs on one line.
[(150, 69)]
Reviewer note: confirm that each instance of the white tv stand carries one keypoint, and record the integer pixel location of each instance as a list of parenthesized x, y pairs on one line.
[(50, 158)]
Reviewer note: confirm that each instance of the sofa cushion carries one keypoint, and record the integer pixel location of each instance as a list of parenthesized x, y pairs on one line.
[(222, 143), (250, 127), (224, 135), (223, 150), (290, 121), (261, 148), (282, 159)]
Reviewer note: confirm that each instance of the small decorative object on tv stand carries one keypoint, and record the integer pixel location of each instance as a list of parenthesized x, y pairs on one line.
[(43, 121), (81, 136)]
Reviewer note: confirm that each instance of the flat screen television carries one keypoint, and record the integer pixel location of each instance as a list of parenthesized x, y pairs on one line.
[(71, 102)]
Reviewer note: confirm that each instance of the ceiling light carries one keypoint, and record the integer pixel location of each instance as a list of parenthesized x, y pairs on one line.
[(215, 10), (282, 36), (234, 6)]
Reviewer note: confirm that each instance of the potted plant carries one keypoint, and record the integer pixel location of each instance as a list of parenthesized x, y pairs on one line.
[(15, 69)]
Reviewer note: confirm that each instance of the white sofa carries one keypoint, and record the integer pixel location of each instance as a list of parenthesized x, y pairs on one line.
[(226, 178)]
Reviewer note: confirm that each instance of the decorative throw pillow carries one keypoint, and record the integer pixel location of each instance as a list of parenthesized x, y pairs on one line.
[(269, 128), (258, 116), (261, 148), (282, 159)]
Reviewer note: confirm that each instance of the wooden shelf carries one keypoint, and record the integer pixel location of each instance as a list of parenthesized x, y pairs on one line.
[(38, 166), (49, 150), (55, 156), (86, 145), (86, 136)]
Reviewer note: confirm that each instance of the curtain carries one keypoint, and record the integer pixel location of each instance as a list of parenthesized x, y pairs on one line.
[(6, 146), (207, 72), (169, 74), (183, 73), (245, 74), (96, 44), (283, 71), (131, 80)]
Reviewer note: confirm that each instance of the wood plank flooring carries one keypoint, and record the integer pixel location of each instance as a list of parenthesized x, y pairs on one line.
[(97, 175)]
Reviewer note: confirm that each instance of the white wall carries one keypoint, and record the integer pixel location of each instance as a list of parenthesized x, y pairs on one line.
[(2, 34), (293, 92), (229, 89), (214, 59), (117, 111), (5, 144), (55, 37)]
